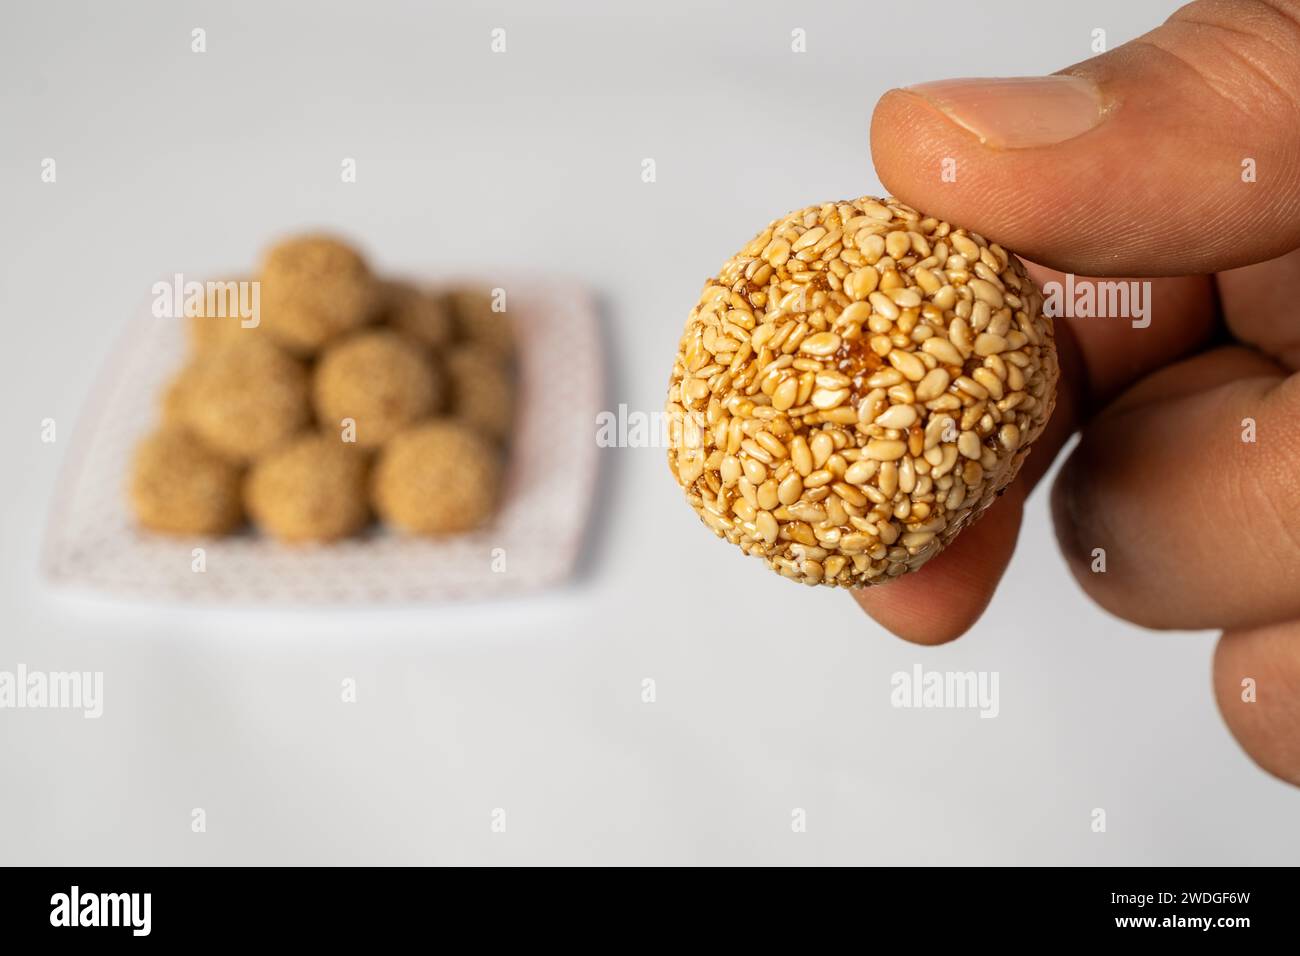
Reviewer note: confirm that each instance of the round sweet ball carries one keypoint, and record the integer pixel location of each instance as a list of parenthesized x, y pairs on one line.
[(312, 489), (380, 381), (482, 389), (421, 314), (855, 387), (171, 402), (477, 320), (439, 478), (243, 399), (180, 486), (315, 288), (223, 319)]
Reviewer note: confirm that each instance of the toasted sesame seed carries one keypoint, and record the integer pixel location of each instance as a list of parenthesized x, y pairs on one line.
[(971, 387), (907, 363), (898, 416), (771, 443), (885, 449), (801, 456), (860, 471), (987, 292), (932, 385), (943, 350), (897, 244), (820, 344), (883, 305), (992, 384), (824, 398), (784, 395)]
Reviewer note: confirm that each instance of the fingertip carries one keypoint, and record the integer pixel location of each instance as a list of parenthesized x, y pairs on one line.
[(946, 597), (912, 145), (1045, 165), (902, 608), (1257, 689)]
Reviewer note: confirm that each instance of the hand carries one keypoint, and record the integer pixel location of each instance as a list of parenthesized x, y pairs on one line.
[(1175, 156)]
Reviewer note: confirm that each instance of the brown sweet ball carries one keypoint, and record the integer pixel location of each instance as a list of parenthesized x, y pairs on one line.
[(482, 389), (378, 379), (223, 319), (172, 400), (245, 398), (179, 486), (422, 315), (855, 387), (477, 322), (439, 478), (312, 489), (315, 288)]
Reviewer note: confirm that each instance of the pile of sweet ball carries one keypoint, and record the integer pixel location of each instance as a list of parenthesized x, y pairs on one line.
[(351, 397)]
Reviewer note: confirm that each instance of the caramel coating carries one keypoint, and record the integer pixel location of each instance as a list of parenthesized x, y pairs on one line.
[(380, 381), (439, 478), (245, 398), (482, 389), (179, 486), (313, 489), (315, 288)]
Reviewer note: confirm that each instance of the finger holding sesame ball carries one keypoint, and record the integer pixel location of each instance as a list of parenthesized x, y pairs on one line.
[(855, 387)]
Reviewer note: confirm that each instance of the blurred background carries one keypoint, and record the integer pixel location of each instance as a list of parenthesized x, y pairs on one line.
[(769, 698)]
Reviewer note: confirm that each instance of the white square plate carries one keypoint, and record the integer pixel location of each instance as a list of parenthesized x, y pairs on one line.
[(93, 543)]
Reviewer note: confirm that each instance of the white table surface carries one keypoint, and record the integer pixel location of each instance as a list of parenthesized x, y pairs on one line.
[(770, 697)]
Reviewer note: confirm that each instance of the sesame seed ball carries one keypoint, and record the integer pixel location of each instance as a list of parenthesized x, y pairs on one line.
[(245, 398), (380, 380), (854, 387), (482, 389), (312, 489), (221, 322), (439, 478), (171, 403), (476, 321), (422, 315), (315, 288), (180, 486)]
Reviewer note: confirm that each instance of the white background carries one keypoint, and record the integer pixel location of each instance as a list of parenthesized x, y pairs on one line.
[(770, 696)]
